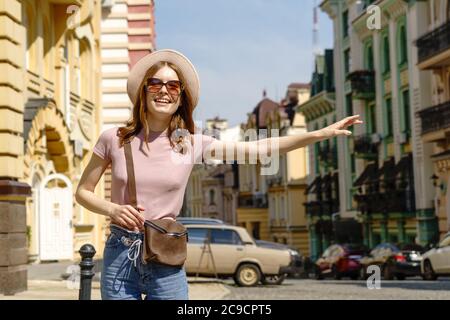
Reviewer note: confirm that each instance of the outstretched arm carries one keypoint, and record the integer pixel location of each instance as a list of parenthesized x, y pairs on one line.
[(280, 145)]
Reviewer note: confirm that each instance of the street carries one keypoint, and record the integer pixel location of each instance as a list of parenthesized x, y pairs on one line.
[(306, 289), (290, 289)]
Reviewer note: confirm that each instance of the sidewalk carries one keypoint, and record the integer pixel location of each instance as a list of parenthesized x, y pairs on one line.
[(46, 281), (58, 290)]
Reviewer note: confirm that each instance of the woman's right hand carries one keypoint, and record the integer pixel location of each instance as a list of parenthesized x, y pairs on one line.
[(128, 217)]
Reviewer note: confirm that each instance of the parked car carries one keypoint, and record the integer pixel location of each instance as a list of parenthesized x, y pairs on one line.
[(400, 261), (340, 260), (436, 262), (297, 268), (197, 220), (235, 254)]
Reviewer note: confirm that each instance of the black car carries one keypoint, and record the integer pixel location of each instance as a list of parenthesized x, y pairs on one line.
[(395, 260)]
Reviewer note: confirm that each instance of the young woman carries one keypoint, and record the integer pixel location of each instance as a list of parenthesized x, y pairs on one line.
[(164, 89)]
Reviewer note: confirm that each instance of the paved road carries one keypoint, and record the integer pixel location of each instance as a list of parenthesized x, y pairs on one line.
[(293, 289), (45, 283)]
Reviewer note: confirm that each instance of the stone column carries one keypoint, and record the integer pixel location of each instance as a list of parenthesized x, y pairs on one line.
[(13, 236), (13, 241)]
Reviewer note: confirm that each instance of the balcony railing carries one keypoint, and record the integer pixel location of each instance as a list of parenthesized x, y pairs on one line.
[(364, 147), (274, 181), (313, 208), (397, 196), (254, 201), (434, 42), (435, 118), (363, 84)]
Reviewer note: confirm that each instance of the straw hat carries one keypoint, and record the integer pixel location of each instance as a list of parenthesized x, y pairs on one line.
[(186, 67)]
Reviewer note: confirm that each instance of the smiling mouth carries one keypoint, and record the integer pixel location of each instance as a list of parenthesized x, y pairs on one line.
[(162, 101)]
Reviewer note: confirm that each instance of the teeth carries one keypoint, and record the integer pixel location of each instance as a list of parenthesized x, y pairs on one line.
[(162, 100)]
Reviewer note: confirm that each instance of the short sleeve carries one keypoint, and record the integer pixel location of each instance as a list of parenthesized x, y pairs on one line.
[(206, 141), (201, 142), (103, 146)]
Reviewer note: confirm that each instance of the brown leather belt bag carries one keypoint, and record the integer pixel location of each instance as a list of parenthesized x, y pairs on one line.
[(165, 240)]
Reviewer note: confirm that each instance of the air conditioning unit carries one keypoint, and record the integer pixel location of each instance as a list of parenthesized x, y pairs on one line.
[(107, 3)]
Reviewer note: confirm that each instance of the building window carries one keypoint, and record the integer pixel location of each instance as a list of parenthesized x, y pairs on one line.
[(386, 61), (406, 112), (369, 58), (347, 61), (345, 23), (352, 163), (211, 198), (349, 105), (403, 45), (316, 153), (448, 10), (389, 126), (371, 119), (255, 230)]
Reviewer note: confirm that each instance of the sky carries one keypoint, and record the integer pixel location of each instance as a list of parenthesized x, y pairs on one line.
[(240, 48)]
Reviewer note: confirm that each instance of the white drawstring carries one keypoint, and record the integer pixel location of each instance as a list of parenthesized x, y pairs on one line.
[(134, 250)]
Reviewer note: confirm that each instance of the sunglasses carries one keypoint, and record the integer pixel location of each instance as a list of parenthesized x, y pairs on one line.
[(174, 87)]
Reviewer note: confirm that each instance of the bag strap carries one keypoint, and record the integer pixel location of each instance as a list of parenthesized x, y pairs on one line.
[(130, 173)]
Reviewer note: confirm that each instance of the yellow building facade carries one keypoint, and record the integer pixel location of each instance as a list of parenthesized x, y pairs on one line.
[(49, 110)]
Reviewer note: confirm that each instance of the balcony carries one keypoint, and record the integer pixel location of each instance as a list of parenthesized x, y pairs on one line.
[(253, 201), (432, 47), (313, 208), (362, 84), (435, 118), (274, 181), (394, 193), (364, 147)]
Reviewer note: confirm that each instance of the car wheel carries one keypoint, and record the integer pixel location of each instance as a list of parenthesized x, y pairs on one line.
[(387, 273), (362, 273), (428, 272), (335, 273), (354, 276), (400, 276), (276, 279), (247, 275), (317, 273)]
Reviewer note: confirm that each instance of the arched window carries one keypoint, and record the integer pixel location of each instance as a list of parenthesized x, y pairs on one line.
[(211, 197)]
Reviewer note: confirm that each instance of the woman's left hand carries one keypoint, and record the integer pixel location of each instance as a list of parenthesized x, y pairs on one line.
[(339, 128)]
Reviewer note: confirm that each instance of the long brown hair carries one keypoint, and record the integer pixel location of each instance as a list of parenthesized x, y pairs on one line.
[(181, 119)]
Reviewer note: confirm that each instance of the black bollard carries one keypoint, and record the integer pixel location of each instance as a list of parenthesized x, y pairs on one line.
[(87, 253)]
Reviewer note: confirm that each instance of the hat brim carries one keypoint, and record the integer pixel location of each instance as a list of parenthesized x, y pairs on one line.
[(139, 71)]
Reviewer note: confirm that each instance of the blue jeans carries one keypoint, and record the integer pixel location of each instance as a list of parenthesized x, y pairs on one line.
[(125, 279)]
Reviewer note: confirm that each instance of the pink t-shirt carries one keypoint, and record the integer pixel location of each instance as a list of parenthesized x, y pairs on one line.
[(161, 174)]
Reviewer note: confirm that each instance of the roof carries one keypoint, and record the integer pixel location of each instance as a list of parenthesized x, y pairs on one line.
[(264, 107)]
